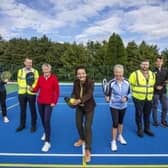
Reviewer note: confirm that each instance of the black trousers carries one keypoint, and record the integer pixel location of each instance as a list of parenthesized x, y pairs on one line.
[(45, 111), (3, 103), (84, 126), (23, 100), (142, 112)]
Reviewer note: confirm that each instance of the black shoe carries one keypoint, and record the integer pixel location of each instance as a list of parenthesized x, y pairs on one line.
[(156, 124), (140, 133), (149, 132), (33, 129), (164, 124), (20, 128)]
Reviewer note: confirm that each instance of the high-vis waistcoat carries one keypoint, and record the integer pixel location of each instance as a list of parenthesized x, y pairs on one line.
[(142, 88), (21, 80)]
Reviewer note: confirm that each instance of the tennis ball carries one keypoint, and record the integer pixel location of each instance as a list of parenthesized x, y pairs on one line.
[(72, 100)]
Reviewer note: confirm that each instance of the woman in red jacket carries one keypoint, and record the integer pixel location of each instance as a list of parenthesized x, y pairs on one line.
[(48, 88)]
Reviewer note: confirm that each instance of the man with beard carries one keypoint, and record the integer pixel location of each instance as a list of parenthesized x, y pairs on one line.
[(142, 85)]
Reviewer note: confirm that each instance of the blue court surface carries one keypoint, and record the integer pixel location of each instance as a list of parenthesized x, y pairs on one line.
[(23, 149)]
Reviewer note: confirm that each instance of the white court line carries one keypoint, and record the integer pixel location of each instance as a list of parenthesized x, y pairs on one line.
[(130, 155), (10, 98), (40, 154), (96, 103), (80, 155), (14, 105)]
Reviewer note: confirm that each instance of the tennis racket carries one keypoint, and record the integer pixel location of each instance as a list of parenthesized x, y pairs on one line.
[(6, 75), (30, 78), (105, 87), (69, 101)]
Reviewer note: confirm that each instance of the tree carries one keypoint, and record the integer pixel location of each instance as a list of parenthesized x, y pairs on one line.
[(116, 53), (133, 57), (98, 57), (164, 53), (96, 54), (148, 52), (73, 56)]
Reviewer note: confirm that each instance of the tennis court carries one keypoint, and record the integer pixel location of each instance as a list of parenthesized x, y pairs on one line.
[(23, 149)]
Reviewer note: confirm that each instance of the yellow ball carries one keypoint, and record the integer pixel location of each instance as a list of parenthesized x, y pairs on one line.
[(72, 100)]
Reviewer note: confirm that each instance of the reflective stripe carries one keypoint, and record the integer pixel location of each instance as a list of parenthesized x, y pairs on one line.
[(21, 87), (137, 79), (21, 78), (142, 92), (149, 86)]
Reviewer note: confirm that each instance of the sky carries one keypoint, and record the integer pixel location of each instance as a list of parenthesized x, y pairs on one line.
[(86, 20)]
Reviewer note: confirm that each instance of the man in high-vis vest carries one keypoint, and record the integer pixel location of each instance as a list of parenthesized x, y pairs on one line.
[(26, 96), (142, 85)]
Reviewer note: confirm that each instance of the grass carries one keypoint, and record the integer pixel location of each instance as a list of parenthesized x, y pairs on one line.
[(11, 87)]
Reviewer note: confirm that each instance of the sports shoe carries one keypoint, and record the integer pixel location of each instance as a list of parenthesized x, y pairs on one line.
[(78, 143), (122, 140), (113, 146), (43, 137), (46, 147), (5, 119)]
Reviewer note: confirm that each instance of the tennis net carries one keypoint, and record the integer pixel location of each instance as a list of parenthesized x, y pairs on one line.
[(65, 89)]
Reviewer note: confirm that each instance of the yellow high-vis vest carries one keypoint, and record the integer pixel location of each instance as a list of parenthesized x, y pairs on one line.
[(23, 88), (142, 89)]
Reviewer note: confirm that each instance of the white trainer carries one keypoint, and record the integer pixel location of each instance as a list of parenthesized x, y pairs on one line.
[(46, 147), (122, 140), (43, 137), (113, 146), (5, 119)]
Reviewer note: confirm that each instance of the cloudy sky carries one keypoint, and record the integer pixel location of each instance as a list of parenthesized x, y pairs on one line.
[(83, 20)]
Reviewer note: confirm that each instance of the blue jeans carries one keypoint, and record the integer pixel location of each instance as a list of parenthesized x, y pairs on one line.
[(163, 100)]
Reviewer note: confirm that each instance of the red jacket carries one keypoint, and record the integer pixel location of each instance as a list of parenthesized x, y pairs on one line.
[(48, 89)]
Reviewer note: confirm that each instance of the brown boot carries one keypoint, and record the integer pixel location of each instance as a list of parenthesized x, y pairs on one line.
[(87, 156), (78, 143)]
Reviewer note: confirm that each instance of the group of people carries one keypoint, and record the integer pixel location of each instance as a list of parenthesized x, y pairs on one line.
[(145, 86), (48, 86)]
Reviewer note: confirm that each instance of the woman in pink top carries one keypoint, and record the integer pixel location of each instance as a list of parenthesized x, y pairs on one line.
[(48, 87)]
